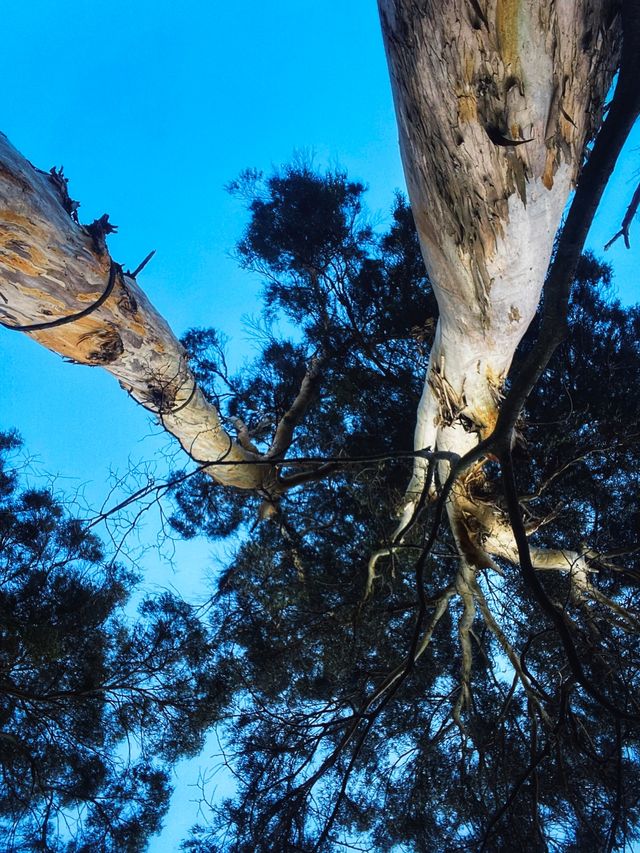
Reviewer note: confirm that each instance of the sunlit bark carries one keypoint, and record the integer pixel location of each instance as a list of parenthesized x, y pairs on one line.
[(496, 102), (51, 268)]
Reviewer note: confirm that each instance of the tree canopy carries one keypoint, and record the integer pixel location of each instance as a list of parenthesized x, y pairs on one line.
[(336, 736), (358, 703), (95, 707)]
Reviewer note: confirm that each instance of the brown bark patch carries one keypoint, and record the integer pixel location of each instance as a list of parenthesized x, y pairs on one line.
[(514, 314), (486, 418), (467, 108), (19, 257), (468, 537), (127, 301), (549, 169), (10, 217), (450, 404), (507, 29), (14, 178), (161, 398), (101, 346)]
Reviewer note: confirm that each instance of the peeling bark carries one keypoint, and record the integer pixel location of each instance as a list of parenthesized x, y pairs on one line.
[(52, 268), (496, 101)]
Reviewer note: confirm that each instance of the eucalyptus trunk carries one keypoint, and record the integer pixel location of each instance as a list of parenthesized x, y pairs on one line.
[(496, 102)]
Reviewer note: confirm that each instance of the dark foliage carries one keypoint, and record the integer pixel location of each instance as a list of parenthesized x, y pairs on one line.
[(324, 757), (94, 708)]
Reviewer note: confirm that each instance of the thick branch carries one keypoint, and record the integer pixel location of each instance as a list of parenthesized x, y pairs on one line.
[(52, 268), (466, 88), (620, 119)]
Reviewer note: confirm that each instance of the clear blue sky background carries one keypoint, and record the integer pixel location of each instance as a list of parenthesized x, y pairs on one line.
[(152, 107)]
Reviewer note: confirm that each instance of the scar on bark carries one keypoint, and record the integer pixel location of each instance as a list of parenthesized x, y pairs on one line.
[(450, 404), (127, 302), (101, 347), (468, 535), (498, 137)]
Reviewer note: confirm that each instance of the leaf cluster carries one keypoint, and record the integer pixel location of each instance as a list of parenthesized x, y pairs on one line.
[(95, 708)]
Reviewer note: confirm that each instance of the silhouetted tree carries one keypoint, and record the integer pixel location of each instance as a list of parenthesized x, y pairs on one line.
[(501, 110), (398, 705), (95, 707)]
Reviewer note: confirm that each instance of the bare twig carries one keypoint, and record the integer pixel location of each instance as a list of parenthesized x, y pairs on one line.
[(626, 222)]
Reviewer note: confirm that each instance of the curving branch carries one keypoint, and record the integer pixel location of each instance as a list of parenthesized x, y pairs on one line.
[(296, 412)]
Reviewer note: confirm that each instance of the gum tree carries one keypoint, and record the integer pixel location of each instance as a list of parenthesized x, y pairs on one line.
[(501, 114), (496, 103), (335, 731)]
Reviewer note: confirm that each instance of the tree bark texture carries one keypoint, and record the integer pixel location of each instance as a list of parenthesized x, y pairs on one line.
[(496, 101), (52, 268)]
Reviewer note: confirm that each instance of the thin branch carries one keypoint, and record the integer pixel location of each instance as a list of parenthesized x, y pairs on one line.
[(290, 420), (626, 222), (516, 662), (556, 616), (617, 809)]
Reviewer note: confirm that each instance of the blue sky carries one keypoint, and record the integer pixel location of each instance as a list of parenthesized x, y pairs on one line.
[(152, 107)]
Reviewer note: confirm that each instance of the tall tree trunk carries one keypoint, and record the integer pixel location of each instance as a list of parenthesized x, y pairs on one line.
[(496, 101)]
